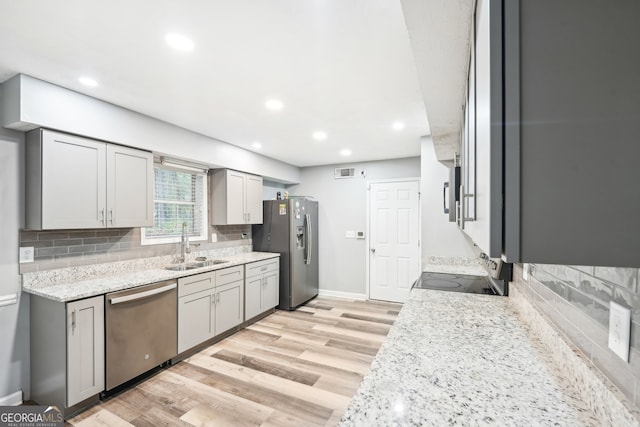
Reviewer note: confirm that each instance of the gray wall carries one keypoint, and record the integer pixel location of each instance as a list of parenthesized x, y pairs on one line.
[(576, 299), (42, 104), (14, 319), (440, 238), (342, 207)]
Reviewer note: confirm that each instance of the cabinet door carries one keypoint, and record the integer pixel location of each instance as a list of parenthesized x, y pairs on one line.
[(85, 349), (270, 290), (129, 187), (235, 197), (253, 199), (73, 182), (253, 296), (229, 307), (196, 319)]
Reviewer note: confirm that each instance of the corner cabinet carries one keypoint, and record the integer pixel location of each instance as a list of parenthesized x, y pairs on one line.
[(556, 132), (262, 287), (74, 182), (67, 351), (236, 198), (209, 304)]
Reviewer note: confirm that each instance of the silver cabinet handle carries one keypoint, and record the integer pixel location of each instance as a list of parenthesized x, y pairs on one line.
[(444, 197), (102, 216), (140, 295), (111, 216), (73, 320)]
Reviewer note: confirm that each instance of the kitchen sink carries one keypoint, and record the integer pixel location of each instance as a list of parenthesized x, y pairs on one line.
[(196, 264)]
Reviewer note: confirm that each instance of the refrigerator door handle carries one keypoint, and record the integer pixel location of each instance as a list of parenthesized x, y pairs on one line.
[(309, 238)]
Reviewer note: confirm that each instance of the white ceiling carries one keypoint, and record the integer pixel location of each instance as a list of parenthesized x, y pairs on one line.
[(345, 67)]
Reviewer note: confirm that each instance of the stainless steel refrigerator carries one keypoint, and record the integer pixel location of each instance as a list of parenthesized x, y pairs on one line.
[(290, 227)]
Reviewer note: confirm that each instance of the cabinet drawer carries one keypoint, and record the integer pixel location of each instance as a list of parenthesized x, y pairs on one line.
[(197, 283), (261, 267), (229, 275)]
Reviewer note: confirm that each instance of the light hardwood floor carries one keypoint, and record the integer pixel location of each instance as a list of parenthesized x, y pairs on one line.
[(297, 368)]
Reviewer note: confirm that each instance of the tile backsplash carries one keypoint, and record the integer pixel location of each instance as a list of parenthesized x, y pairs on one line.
[(72, 248), (576, 299)]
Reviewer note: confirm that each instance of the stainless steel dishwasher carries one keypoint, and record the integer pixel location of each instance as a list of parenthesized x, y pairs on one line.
[(141, 330)]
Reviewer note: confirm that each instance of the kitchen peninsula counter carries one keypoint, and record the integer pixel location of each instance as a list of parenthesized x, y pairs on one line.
[(75, 283), (464, 359)]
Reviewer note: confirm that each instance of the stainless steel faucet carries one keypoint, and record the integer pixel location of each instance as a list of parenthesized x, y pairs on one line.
[(184, 244)]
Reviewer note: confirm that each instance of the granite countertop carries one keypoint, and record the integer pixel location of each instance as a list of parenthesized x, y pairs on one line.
[(76, 283), (463, 359)]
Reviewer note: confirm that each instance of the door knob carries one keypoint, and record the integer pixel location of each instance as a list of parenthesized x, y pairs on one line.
[(373, 250)]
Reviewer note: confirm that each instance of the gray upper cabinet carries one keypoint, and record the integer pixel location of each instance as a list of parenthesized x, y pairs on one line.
[(236, 198), (481, 213), (560, 104), (74, 182)]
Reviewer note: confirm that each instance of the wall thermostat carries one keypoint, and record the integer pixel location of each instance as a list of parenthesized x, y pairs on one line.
[(359, 234)]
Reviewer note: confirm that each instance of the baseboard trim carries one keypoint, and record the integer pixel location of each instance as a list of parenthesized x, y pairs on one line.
[(343, 295), (13, 399)]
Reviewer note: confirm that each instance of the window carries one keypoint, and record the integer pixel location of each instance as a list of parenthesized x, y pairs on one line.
[(180, 197)]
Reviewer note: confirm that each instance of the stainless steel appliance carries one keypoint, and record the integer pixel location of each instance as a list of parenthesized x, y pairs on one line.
[(141, 330), (496, 282), (290, 227)]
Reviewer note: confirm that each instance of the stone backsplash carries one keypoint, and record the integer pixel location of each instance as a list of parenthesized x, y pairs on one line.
[(73, 248), (576, 300)]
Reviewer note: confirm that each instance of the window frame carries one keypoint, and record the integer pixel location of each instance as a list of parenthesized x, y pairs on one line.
[(204, 234)]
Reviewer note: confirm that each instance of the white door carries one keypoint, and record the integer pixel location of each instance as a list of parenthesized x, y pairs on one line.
[(394, 239)]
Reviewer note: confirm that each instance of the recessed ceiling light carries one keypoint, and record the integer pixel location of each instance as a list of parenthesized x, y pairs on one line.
[(345, 152), (88, 81), (319, 136), (398, 125), (274, 104), (179, 42), (256, 145)]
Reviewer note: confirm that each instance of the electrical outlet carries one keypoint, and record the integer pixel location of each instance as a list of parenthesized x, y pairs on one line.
[(214, 237), (619, 330), (26, 254), (525, 272)]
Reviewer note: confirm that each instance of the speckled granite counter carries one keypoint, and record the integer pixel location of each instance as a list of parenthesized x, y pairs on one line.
[(463, 359), (70, 284)]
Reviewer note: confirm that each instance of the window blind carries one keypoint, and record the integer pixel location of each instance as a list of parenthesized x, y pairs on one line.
[(180, 197)]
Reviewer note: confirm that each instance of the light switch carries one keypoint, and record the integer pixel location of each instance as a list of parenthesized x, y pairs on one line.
[(26, 254), (619, 330), (350, 234), (214, 237)]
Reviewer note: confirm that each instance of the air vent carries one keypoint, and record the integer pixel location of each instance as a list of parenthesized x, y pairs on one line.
[(341, 173)]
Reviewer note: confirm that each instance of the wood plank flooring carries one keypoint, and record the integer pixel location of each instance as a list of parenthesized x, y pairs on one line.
[(297, 368)]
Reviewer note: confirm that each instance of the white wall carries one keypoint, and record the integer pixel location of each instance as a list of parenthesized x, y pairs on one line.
[(440, 237), (14, 319), (342, 205), (30, 103)]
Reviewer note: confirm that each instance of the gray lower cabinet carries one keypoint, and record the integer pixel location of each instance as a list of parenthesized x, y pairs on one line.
[(262, 287), (67, 351), (208, 305)]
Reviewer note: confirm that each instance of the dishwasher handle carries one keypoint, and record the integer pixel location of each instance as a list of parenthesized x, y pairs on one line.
[(141, 295)]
